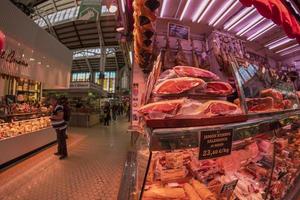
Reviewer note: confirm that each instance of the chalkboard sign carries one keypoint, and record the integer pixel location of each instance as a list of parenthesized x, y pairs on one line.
[(215, 144), (229, 187)]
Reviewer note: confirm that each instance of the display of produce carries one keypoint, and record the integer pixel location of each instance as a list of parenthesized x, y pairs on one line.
[(13, 129)]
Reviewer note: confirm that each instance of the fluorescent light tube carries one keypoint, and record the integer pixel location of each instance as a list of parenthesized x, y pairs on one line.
[(237, 18), (206, 10), (200, 9), (220, 12), (280, 39), (123, 6), (184, 10), (290, 51), (285, 49), (282, 42), (262, 31), (253, 23), (225, 14), (163, 8)]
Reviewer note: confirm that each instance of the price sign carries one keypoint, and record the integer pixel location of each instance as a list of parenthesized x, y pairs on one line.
[(229, 187), (215, 144)]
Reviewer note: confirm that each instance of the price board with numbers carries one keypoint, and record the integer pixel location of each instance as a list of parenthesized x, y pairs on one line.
[(215, 143)]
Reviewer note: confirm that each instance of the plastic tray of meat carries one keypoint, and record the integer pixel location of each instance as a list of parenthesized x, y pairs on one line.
[(186, 122)]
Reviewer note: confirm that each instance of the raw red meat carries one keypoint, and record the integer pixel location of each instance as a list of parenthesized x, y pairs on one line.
[(178, 85), (162, 107), (195, 72), (217, 107), (260, 104), (275, 94), (219, 88)]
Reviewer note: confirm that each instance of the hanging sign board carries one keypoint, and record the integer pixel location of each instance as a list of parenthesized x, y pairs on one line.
[(178, 31), (89, 10), (229, 187), (215, 143)]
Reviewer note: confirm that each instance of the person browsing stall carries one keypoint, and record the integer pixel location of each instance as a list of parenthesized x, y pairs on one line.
[(60, 126)]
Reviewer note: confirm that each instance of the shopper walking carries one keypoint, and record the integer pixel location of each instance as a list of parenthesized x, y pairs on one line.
[(114, 111), (67, 112), (60, 126), (106, 114)]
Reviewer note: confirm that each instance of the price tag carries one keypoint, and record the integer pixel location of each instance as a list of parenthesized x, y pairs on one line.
[(229, 187), (215, 144)]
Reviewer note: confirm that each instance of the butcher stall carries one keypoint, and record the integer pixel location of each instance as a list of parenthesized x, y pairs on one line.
[(215, 108)]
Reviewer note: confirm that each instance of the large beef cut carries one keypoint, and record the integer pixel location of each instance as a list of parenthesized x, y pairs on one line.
[(187, 71), (275, 94), (178, 85), (218, 107), (260, 104), (218, 88), (161, 109)]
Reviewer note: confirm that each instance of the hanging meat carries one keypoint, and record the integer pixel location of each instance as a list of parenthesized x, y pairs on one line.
[(194, 55), (178, 85), (218, 88), (152, 4), (188, 71), (180, 58), (168, 57)]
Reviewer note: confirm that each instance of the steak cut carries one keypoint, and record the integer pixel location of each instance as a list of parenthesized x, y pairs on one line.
[(178, 85), (187, 71), (260, 104), (275, 94), (218, 107), (219, 88), (161, 109)]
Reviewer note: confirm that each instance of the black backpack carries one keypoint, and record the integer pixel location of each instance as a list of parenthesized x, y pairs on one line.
[(67, 113)]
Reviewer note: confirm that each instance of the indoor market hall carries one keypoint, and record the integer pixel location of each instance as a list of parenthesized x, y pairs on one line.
[(149, 99), (93, 169)]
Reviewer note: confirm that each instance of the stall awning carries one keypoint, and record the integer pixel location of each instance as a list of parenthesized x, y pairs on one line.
[(278, 13)]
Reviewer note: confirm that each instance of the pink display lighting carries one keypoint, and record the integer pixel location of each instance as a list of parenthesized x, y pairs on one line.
[(262, 31), (258, 19), (282, 42), (221, 11), (163, 8), (238, 18), (226, 12), (271, 43), (210, 4), (123, 6), (290, 51), (288, 48), (200, 10), (185, 9), (2, 41)]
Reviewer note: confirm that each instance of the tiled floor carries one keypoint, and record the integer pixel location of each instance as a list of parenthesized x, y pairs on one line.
[(92, 171)]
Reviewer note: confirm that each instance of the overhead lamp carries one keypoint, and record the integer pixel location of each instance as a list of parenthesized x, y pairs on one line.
[(285, 49), (282, 42), (39, 63), (163, 8), (120, 29), (210, 4), (113, 7), (237, 17), (241, 19), (254, 22), (200, 9), (123, 6), (290, 51), (271, 43), (263, 30), (220, 12), (226, 12), (31, 59), (184, 9)]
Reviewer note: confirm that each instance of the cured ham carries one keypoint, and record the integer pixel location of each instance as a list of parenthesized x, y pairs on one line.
[(275, 94), (218, 107), (187, 71), (260, 104), (162, 108), (165, 193), (219, 88), (178, 85)]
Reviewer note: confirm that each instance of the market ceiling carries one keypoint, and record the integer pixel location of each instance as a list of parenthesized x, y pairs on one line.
[(59, 17), (232, 16)]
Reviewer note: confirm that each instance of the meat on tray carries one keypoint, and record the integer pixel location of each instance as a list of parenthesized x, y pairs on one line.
[(218, 107), (178, 85), (187, 71), (275, 94), (260, 104), (165, 193), (218, 88)]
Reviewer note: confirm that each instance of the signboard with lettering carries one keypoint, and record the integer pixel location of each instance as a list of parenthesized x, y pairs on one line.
[(215, 143), (178, 31), (229, 187)]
